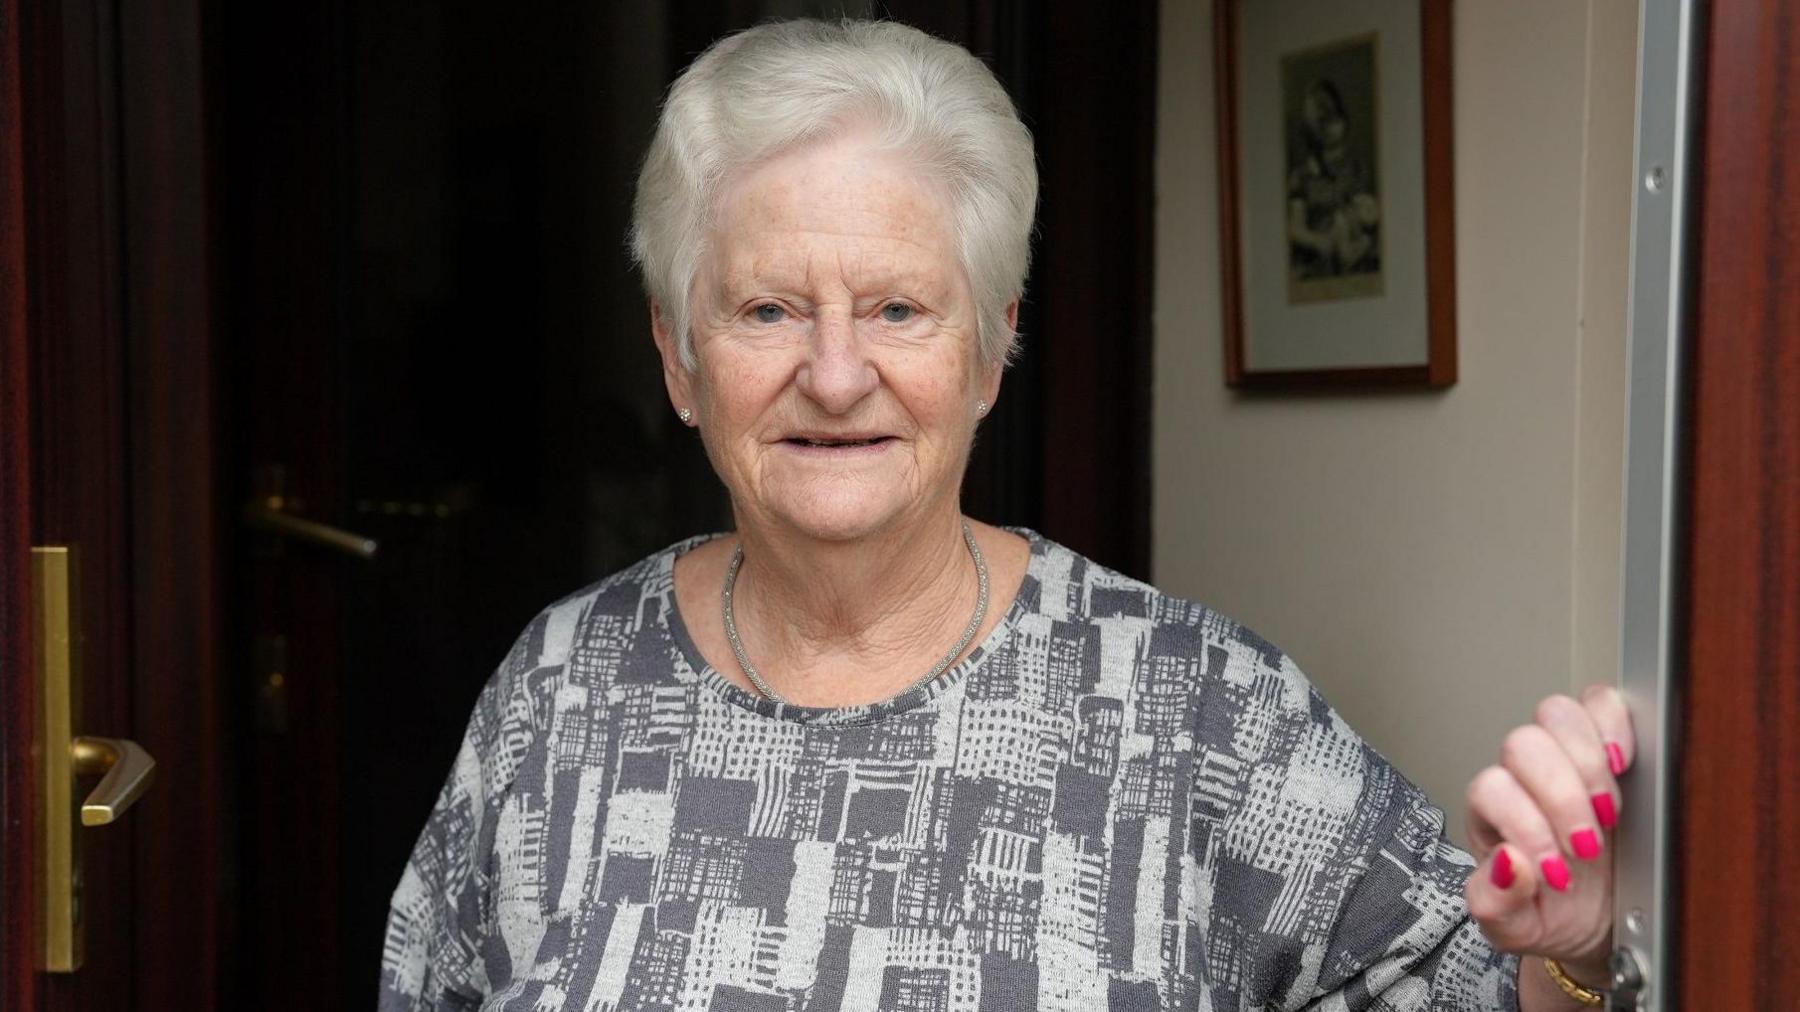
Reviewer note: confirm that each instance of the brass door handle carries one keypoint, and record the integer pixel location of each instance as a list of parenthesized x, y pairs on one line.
[(125, 770), (272, 509), (270, 514)]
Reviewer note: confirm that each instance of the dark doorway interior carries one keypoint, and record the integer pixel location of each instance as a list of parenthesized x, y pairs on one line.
[(433, 339)]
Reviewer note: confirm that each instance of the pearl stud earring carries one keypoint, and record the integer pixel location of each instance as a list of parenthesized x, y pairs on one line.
[(981, 408), (686, 415)]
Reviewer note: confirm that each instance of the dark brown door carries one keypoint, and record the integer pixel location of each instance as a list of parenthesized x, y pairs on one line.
[(107, 435), (1738, 885), (438, 351)]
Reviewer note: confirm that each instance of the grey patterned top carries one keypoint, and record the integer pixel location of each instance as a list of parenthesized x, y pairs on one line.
[(1119, 800)]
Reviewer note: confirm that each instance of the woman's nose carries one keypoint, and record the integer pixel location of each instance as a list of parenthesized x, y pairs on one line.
[(837, 372)]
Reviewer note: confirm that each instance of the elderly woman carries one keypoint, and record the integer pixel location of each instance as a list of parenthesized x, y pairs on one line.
[(865, 752)]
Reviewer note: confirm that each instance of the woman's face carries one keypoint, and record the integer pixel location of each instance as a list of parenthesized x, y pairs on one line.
[(836, 336)]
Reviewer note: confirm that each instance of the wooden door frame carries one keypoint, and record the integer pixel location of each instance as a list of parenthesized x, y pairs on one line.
[(105, 301), (75, 408), (182, 522), (1739, 775), (18, 979)]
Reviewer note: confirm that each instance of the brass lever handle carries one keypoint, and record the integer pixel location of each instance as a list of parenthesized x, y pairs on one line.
[(269, 515), (126, 772), (124, 768)]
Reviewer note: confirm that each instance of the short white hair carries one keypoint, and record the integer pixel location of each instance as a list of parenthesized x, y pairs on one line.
[(775, 87)]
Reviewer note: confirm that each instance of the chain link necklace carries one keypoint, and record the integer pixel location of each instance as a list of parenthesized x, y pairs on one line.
[(756, 678)]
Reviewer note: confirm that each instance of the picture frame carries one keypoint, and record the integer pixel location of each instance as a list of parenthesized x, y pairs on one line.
[(1336, 193)]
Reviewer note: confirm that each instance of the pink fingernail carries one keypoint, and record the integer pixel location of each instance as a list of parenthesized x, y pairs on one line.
[(1503, 869), (1586, 843), (1615, 758), (1556, 872), (1604, 810)]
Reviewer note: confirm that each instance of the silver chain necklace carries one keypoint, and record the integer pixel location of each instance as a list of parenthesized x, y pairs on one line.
[(756, 679)]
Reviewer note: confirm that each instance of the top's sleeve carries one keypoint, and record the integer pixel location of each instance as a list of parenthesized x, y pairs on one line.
[(442, 910), (1332, 885)]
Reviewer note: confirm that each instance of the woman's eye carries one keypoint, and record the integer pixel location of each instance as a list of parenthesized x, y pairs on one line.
[(896, 312), (768, 312)]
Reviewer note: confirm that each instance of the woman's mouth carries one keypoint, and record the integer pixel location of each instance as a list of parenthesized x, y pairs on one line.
[(836, 443)]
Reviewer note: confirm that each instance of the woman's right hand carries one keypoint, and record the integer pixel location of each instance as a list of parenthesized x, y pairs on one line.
[(1539, 822)]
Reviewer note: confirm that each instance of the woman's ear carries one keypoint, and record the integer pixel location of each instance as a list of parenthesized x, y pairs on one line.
[(676, 376), (991, 374)]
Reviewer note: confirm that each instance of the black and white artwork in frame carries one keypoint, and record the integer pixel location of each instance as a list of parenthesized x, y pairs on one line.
[(1333, 214)]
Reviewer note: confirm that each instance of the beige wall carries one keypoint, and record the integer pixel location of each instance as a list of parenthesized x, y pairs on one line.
[(1435, 562)]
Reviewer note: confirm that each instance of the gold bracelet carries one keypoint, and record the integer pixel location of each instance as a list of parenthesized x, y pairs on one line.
[(1585, 995)]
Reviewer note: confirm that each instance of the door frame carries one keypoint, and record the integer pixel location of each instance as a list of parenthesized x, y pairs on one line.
[(1738, 779), (109, 438), (181, 523), (18, 901)]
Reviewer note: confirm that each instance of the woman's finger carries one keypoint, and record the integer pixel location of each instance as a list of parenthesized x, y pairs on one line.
[(1573, 727), (1500, 894), (1605, 705), (1502, 889), (1483, 794), (1532, 755), (1501, 811)]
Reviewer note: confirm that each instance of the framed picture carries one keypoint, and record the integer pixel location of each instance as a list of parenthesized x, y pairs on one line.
[(1337, 235)]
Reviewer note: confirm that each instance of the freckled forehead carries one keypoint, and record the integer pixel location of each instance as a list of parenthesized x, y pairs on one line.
[(846, 195)]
